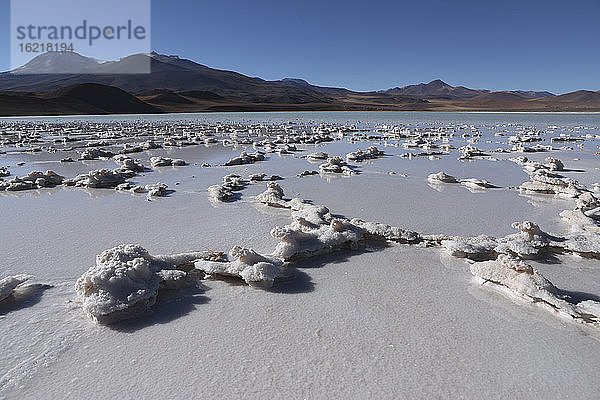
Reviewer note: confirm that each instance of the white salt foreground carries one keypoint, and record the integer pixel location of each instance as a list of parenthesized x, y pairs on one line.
[(383, 314)]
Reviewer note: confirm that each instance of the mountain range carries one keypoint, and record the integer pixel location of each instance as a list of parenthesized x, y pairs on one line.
[(43, 86)]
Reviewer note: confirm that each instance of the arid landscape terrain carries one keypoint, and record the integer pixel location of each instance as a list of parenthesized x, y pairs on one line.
[(179, 85)]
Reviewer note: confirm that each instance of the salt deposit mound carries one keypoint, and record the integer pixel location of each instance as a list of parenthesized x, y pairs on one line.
[(530, 242), (225, 192), (126, 280), (586, 215), (523, 280), (33, 180), (156, 190), (315, 231), (101, 178), (166, 162), (473, 184), (10, 283), (255, 269), (273, 196), (441, 177), (336, 165), (246, 158), (368, 154), (129, 163), (94, 154)]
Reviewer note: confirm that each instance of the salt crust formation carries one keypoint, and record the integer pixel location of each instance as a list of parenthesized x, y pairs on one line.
[(129, 163), (156, 190), (126, 280), (166, 162), (317, 156), (10, 283), (101, 178), (470, 183), (94, 154), (546, 180), (255, 269), (336, 165), (524, 281), (360, 155), (33, 180), (234, 183), (246, 158), (531, 242)]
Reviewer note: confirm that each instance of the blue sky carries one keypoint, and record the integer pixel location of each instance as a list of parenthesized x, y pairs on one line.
[(538, 45)]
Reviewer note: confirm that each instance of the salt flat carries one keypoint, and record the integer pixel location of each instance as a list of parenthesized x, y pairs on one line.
[(383, 320)]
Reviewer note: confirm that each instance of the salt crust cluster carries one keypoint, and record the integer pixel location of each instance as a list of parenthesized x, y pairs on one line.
[(156, 190), (546, 180), (469, 152), (246, 158), (33, 180), (336, 165), (521, 279), (129, 148), (126, 280), (317, 156), (499, 261), (314, 231), (166, 162), (233, 183), (529, 243), (95, 153), (585, 217), (360, 155), (129, 163), (255, 269), (472, 184), (10, 283), (99, 178), (307, 173)]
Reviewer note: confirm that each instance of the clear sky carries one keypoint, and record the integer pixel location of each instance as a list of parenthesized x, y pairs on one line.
[(371, 45)]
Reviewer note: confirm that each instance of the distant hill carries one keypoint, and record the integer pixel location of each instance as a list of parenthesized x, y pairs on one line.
[(580, 100), (440, 89), (87, 98), (163, 97), (167, 72), (301, 83), (579, 96), (44, 86), (531, 94), (436, 88)]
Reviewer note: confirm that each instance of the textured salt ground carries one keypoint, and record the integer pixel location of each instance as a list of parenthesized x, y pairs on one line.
[(455, 338), (393, 323)]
